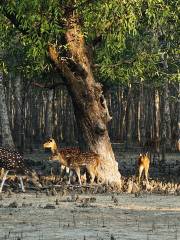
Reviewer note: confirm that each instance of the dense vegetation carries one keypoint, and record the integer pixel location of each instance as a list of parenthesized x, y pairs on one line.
[(132, 41), (132, 45)]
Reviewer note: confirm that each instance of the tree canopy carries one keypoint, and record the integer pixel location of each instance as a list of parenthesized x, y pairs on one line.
[(129, 41)]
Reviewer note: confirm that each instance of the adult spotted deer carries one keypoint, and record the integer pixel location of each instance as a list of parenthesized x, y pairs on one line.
[(13, 161), (66, 152), (77, 160), (143, 165)]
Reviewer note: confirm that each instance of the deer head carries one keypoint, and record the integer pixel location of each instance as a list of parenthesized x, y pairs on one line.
[(50, 143)]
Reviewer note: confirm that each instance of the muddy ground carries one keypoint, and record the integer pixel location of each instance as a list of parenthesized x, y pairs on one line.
[(61, 212)]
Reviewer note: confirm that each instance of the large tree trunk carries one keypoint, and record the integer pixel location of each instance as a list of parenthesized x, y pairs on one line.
[(7, 140), (89, 103)]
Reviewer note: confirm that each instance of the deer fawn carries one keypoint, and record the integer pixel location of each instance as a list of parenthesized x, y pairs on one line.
[(13, 161), (75, 161), (143, 164)]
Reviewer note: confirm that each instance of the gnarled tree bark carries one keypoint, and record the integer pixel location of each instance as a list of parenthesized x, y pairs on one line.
[(89, 104)]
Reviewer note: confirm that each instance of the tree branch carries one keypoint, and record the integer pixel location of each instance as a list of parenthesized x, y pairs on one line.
[(48, 86), (61, 64)]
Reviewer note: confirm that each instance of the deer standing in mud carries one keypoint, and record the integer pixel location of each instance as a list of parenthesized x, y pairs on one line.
[(77, 161), (143, 165), (51, 144), (74, 159), (13, 161)]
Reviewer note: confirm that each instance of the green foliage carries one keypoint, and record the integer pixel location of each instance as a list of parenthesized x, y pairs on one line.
[(139, 38), (40, 22)]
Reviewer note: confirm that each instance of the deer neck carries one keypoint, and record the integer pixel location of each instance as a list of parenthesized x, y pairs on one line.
[(54, 149), (62, 160), (60, 157)]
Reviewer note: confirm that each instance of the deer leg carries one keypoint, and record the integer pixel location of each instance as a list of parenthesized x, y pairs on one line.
[(21, 183), (62, 168), (84, 178), (92, 175), (3, 180), (52, 174), (70, 175), (2, 172), (67, 170), (146, 174), (141, 168), (79, 175)]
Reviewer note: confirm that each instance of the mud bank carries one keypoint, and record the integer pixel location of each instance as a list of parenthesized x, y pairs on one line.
[(111, 216)]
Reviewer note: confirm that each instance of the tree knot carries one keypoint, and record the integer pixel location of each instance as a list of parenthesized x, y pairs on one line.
[(100, 128)]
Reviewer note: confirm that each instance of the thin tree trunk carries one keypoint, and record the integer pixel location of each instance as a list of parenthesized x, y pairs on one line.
[(167, 116), (157, 121), (89, 103), (138, 121), (7, 139), (124, 104), (18, 129), (166, 122), (49, 114), (129, 117), (142, 117), (178, 121), (119, 90)]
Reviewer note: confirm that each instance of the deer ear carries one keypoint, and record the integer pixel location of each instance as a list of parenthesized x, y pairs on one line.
[(140, 154)]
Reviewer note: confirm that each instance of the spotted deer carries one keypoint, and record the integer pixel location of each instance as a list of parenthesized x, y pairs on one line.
[(13, 161), (78, 160), (143, 165), (51, 144)]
